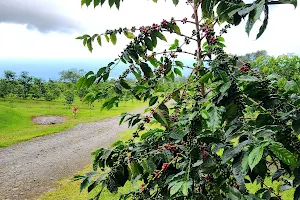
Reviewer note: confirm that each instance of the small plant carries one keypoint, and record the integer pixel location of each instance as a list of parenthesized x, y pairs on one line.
[(74, 110), (208, 147)]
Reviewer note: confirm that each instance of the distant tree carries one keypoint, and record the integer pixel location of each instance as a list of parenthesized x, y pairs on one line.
[(37, 89), (69, 97), (26, 82), (250, 57), (71, 75), (51, 91), (81, 93), (9, 75), (4, 88)]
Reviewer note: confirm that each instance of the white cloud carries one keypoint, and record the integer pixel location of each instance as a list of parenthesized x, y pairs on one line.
[(17, 41)]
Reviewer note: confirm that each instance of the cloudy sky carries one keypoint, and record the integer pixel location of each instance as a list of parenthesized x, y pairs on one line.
[(48, 28)]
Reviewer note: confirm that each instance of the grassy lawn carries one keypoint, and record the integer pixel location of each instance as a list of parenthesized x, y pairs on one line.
[(16, 114)]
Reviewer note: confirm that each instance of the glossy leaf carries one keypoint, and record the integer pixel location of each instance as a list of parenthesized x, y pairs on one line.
[(283, 154)]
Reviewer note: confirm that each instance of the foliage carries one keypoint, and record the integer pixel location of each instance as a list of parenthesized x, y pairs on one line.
[(69, 97), (228, 126), (4, 88), (71, 75)]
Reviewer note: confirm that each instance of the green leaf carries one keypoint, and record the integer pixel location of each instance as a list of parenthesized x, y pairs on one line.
[(179, 63), (283, 154), (177, 134), (175, 188), (125, 84), (148, 43), (85, 183), (154, 39), (89, 44), (113, 38), (205, 77), (175, 2), (117, 2), (129, 35), (153, 61), (146, 70), (159, 35), (254, 15), (277, 174), (208, 8), (214, 119), (296, 126), (265, 22), (153, 100), (111, 3), (148, 165), (264, 133), (80, 82), (227, 10), (248, 78), (237, 171), (175, 28), (178, 72), (245, 164), (231, 153), (106, 37), (221, 39), (96, 3), (99, 40), (185, 189), (255, 156), (174, 45), (162, 115)]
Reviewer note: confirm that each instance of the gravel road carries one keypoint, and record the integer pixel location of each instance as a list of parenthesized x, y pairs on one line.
[(31, 168)]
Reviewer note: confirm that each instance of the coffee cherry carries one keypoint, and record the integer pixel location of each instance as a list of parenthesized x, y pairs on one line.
[(235, 185), (205, 155), (165, 166)]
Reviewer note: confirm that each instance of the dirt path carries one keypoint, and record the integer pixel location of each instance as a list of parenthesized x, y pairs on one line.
[(31, 168)]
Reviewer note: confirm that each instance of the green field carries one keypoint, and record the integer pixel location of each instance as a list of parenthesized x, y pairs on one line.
[(16, 114)]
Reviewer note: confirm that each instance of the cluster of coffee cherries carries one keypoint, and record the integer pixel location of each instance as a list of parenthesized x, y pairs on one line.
[(125, 73), (245, 68), (209, 34), (209, 179), (189, 1), (147, 119), (204, 155), (170, 146), (160, 71), (224, 30), (184, 20), (175, 118), (235, 185)]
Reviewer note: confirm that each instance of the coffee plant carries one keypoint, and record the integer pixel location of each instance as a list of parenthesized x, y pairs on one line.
[(225, 127)]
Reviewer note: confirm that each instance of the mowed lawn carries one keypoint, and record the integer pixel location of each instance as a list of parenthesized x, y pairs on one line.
[(16, 114)]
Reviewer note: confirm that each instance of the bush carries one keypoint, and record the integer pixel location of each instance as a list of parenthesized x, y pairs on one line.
[(228, 126)]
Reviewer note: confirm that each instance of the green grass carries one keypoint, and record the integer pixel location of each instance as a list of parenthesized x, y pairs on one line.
[(16, 114)]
